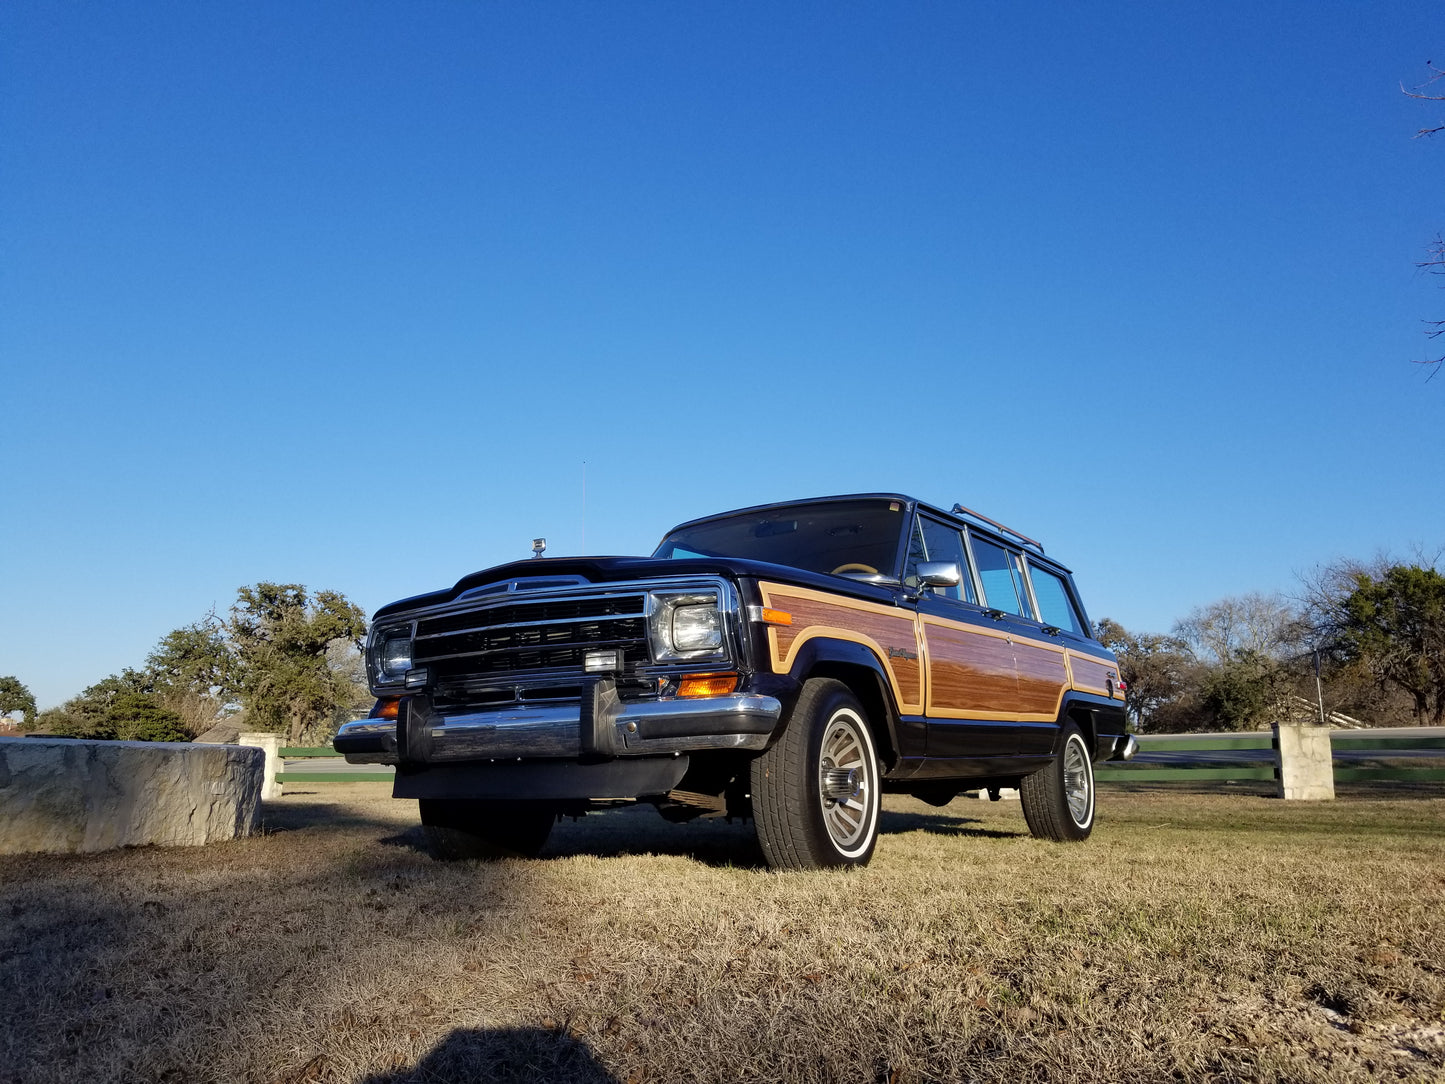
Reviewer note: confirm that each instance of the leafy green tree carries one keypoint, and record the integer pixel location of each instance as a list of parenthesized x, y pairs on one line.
[(194, 673), (281, 635), (16, 697), (1243, 691), (141, 717), (121, 707), (88, 715), (1393, 623)]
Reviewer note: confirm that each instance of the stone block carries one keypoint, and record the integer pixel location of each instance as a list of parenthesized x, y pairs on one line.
[(80, 796), (1305, 762), (270, 744)]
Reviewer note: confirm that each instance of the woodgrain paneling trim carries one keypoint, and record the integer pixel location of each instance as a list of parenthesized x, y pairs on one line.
[(885, 630), (1043, 679), (971, 672), (1091, 674)]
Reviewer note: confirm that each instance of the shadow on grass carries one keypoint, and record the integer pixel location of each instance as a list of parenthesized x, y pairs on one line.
[(940, 824), (632, 830), (639, 830), (502, 1054), (292, 816)]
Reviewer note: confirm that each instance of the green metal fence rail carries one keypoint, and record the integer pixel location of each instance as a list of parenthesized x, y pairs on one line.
[(1136, 772), (379, 774), (1211, 771), (1363, 743)]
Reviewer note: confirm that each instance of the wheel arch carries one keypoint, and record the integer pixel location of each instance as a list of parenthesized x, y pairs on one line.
[(1083, 716), (857, 667)]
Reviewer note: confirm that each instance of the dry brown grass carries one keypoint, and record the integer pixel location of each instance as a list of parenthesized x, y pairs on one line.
[(1196, 937)]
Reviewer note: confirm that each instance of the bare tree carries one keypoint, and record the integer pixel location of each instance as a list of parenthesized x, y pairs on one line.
[(1435, 264), (1254, 624)]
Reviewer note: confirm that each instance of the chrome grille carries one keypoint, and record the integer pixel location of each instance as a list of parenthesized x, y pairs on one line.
[(527, 637)]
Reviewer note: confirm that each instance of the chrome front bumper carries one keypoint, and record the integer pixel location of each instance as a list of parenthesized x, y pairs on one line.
[(599, 727)]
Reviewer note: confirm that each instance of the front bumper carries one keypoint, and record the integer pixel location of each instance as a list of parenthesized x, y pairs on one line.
[(598, 726)]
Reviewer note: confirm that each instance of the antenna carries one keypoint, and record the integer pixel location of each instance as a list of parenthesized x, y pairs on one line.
[(584, 506)]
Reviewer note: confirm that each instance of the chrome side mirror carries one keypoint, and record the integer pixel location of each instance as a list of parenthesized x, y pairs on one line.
[(939, 574)]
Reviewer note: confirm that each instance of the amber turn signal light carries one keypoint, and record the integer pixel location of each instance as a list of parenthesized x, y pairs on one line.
[(707, 685), (386, 709), (777, 617)]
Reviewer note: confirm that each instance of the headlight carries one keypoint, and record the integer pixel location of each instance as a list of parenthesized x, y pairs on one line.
[(392, 654), (685, 625), (696, 628)]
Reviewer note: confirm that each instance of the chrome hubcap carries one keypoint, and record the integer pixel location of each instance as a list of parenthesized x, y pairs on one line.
[(847, 782), (841, 783), (1078, 782)]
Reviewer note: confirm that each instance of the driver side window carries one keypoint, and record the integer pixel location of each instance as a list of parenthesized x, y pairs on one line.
[(935, 541)]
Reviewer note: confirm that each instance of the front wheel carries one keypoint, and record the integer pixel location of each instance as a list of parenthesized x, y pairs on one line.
[(461, 828), (816, 791), (1059, 800)]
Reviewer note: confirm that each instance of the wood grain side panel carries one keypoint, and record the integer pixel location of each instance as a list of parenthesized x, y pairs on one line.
[(1091, 675), (1043, 677), (881, 629), (971, 673)]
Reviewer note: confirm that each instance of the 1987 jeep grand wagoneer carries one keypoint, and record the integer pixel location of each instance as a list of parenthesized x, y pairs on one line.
[(787, 663)]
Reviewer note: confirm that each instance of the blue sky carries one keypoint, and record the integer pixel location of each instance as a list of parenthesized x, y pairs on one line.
[(347, 293)]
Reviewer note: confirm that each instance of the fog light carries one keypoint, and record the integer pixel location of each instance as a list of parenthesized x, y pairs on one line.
[(417, 677), (601, 662)]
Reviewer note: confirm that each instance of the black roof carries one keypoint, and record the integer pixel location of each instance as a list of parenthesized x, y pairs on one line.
[(958, 513)]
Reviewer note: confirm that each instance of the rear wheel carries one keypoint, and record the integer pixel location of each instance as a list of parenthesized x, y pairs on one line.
[(461, 828), (1059, 801), (816, 791)]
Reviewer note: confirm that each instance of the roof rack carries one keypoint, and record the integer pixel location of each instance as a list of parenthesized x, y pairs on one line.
[(960, 510)]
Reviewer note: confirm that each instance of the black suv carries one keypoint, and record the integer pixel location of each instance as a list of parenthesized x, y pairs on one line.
[(787, 663)]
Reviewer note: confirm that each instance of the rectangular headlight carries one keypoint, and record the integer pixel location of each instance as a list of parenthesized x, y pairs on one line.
[(697, 628), (392, 655), (686, 625)]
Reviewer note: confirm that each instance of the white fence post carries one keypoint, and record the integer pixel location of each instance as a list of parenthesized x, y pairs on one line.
[(1304, 762), (271, 743)]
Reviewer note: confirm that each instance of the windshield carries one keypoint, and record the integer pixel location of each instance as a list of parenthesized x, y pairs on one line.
[(845, 538)]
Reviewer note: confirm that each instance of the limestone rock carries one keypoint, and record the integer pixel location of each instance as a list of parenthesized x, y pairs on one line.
[(82, 796)]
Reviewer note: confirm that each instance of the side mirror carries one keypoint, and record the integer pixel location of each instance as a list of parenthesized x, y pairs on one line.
[(939, 574)]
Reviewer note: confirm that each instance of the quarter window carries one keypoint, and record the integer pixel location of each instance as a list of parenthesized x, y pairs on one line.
[(1001, 576), (1055, 606)]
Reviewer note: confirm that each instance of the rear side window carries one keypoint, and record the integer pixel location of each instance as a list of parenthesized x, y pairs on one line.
[(1055, 606), (1002, 578)]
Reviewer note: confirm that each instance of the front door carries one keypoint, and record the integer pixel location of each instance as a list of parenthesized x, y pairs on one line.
[(970, 684)]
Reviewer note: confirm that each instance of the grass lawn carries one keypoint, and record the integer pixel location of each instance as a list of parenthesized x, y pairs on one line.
[(1197, 936)]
